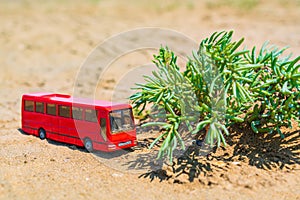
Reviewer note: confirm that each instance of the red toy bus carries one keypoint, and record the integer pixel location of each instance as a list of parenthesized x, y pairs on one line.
[(94, 124)]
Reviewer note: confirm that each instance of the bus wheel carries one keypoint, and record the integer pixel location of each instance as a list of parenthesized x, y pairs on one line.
[(88, 145), (42, 134)]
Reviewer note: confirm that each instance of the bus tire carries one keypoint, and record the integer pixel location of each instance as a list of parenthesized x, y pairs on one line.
[(88, 144), (42, 134)]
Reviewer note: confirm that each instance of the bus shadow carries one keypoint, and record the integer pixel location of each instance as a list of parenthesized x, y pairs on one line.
[(70, 146), (49, 141), (102, 154), (22, 132), (98, 153), (111, 155)]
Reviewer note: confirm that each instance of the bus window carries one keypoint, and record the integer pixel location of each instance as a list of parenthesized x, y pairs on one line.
[(39, 107), (127, 118), (77, 113), (51, 109), (103, 128), (64, 111), (90, 115), (121, 120), (29, 105)]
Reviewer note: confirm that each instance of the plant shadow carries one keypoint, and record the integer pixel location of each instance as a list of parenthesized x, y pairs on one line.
[(264, 151), (144, 159), (267, 151), (189, 165), (186, 161)]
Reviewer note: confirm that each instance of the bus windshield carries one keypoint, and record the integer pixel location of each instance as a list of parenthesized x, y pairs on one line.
[(121, 120)]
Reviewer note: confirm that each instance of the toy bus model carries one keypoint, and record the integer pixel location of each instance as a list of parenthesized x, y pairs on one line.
[(93, 124)]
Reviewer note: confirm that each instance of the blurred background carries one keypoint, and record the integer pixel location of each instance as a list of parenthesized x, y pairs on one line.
[(43, 43)]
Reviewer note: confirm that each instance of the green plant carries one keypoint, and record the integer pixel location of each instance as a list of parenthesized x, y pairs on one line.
[(221, 85)]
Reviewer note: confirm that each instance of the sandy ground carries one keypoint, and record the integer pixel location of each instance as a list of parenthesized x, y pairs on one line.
[(43, 45)]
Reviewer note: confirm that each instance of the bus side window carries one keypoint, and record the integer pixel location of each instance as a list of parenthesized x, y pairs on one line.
[(64, 111), (90, 115), (39, 107), (51, 109), (77, 113), (29, 105), (103, 128)]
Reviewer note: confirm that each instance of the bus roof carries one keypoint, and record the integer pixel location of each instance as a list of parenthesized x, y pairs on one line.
[(62, 98)]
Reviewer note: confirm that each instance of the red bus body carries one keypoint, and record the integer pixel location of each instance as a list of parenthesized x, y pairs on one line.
[(75, 121)]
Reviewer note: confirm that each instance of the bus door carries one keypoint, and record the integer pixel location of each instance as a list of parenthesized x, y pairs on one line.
[(103, 125)]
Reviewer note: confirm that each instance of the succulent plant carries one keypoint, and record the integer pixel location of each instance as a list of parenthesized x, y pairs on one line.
[(220, 86)]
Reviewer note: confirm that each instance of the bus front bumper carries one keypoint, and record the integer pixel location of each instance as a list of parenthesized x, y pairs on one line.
[(115, 146)]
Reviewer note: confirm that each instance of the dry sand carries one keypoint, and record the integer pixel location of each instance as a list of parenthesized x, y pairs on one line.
[(43, 45)]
